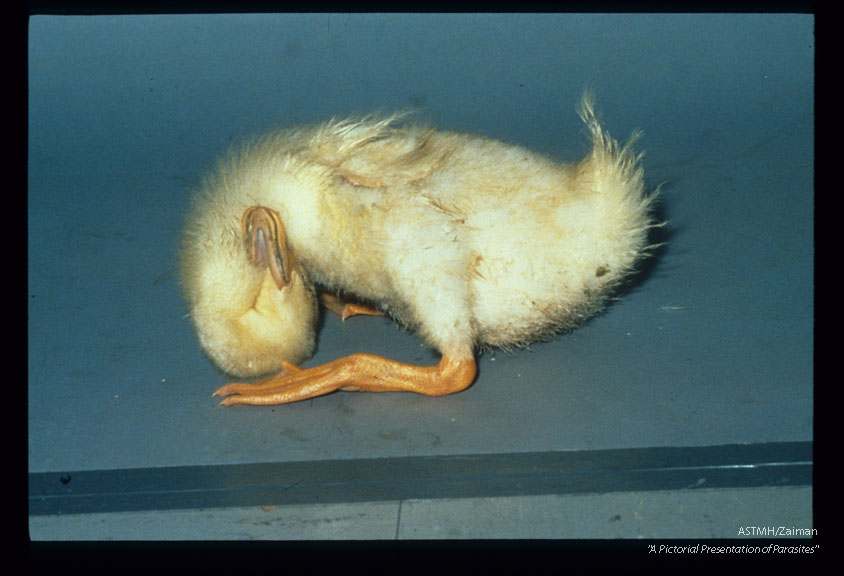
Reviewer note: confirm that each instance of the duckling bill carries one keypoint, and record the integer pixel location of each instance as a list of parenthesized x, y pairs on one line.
[(471, 242)]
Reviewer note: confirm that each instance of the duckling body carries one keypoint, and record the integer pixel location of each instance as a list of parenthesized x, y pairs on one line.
[(469, 241)]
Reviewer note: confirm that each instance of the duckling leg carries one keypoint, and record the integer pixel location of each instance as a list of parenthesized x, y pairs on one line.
[(346, 309), (358, 372)]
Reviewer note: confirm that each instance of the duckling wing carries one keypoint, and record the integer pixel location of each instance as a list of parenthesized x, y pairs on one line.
[(379, 153)]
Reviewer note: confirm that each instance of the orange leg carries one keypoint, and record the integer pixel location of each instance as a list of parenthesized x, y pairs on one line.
[(346, 309), (358, 372)]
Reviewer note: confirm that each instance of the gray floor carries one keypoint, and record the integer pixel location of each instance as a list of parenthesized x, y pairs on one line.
[(711, 346), (703, 514)]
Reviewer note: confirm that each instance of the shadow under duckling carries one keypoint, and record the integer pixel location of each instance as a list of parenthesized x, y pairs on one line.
[(469, 241)]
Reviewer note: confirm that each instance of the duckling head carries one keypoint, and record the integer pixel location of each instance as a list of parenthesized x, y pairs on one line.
[(247, 319)]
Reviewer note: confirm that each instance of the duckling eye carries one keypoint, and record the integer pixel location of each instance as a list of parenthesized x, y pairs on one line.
[(601, 270)]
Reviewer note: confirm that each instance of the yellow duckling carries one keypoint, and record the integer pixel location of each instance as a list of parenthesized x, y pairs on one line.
[(469, 241)]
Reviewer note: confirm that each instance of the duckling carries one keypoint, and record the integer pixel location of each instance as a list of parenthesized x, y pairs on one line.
[(471, 242)]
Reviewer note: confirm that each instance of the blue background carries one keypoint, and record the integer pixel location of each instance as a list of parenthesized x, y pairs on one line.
[(711, 345)]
